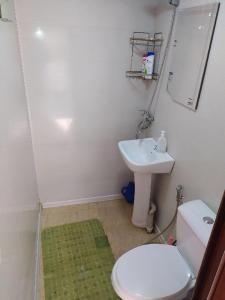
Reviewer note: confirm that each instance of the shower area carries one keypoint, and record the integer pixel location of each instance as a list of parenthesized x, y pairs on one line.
[(19, 200)]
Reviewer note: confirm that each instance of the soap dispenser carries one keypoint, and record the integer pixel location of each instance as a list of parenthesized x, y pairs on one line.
[(162, 142)]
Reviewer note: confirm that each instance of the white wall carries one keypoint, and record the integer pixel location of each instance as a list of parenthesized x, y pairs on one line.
[(18, 191), (196, 139), (75, 55)]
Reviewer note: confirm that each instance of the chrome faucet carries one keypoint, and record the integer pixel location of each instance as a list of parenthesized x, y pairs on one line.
[(146, 122)]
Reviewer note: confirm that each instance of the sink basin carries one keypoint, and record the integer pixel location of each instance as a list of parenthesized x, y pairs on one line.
[(141, 158)]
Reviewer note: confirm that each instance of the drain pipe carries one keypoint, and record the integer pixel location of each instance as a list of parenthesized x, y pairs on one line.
[(179, 200)]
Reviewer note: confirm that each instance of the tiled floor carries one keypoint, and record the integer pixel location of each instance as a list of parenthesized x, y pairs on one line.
[(116, 219)]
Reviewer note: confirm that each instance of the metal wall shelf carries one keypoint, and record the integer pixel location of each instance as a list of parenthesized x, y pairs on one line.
[(140, 75), (141, 43)]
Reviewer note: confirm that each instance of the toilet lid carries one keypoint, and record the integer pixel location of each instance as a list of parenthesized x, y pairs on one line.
[(151, 272)]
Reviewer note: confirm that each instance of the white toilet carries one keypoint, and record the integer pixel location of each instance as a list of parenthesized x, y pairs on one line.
[(162, 272)]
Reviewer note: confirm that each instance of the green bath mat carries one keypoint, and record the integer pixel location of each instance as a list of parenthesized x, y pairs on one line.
[(77, 261)]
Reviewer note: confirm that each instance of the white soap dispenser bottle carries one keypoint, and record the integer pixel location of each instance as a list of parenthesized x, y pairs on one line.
[(162, 142)]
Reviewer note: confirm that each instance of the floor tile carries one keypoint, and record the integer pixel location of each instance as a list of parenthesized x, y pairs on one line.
[(115, 216)]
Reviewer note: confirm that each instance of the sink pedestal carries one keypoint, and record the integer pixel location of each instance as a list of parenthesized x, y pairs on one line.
[(141, 199), (142, 158)]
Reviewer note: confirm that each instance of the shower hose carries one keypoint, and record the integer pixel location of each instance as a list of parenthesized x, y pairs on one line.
[(179, 200)]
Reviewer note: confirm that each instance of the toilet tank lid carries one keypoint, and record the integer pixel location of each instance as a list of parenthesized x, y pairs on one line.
[(193, 213)]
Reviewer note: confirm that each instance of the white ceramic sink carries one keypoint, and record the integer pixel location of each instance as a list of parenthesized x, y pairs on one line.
[(141, 158)]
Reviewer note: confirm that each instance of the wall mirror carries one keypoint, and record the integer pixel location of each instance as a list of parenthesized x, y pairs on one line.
[(192, 41)]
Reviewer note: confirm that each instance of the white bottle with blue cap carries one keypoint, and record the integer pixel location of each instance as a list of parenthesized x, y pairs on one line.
[(149, 65)]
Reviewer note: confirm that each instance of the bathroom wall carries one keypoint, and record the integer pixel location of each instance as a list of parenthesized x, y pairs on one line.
[(75, 54), (18, 190), (195, 139)]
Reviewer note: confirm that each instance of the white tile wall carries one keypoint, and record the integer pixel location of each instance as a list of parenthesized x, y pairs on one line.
[(196, 139), (18, 190), (75, 55)]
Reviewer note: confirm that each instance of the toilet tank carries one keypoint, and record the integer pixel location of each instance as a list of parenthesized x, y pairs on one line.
[(193, 232)]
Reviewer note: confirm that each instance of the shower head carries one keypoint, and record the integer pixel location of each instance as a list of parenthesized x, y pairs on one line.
[(174, 2)]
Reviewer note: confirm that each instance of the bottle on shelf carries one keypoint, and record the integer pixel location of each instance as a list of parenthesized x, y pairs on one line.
[(144, 59), (149, 65)]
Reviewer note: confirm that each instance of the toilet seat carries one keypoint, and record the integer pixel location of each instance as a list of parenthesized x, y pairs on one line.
[(152, 272)]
